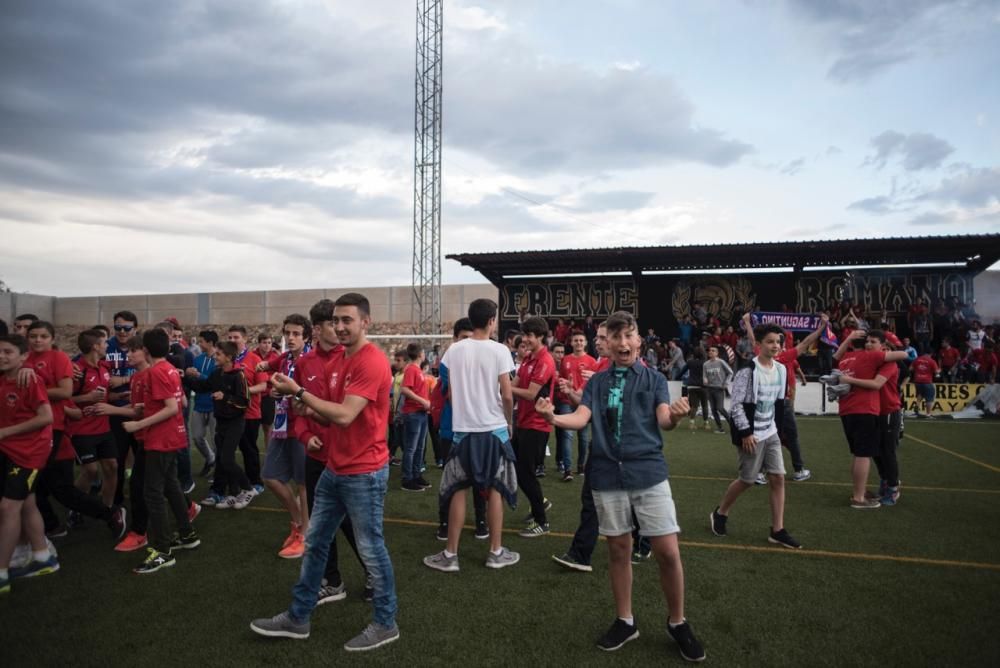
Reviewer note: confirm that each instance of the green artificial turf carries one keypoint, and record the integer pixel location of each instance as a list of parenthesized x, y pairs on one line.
[(914, 584)]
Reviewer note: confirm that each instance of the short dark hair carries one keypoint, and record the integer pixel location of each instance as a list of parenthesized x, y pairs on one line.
[(511, 334), (238, 328), (3, 327), (355, 299), (760, 331), (17, 341), (209, 335), (133, 344), (156, 342), (535, 325), (43, 324), (321, 311), (127, 316), (26, 316), (715, 348), (228, 348), (481, 311), (462, 325), (103, 328), (264, 336), (557, 344), (301, 321), (620, 320), (166, 326), (401, 352), (87, 339), (876, 334), (413, 351)]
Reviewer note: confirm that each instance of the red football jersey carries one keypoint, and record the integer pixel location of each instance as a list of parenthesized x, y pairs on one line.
[(922, 369), (862, 364), (51, 367), (311, 374), (540, 368), (888, 395), (164, 382), (19, 404), (93, 378), (413, 380), (360, 447)]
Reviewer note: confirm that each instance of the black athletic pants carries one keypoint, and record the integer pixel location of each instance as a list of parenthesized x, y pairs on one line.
[(251, 455), (886, 461), (229, 477), (527, 443)]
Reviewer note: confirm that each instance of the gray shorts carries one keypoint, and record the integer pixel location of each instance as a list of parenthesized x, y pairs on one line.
[(766, 456), (285, 460), (653, 506)]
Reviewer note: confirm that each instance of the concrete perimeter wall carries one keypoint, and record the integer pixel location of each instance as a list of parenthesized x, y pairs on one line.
[(389, 305)]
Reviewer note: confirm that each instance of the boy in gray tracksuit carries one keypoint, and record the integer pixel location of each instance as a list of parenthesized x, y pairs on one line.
[(717, 374)]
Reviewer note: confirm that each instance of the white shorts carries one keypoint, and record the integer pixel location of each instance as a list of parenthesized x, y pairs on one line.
[(653, 506)]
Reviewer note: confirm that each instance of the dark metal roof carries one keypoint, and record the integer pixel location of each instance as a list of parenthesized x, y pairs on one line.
[(973, 252)]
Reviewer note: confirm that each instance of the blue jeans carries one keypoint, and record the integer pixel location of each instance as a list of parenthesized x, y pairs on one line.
[(414, 443), (361, 498)]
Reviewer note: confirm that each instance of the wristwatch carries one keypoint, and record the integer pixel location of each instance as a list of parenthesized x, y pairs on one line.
[(298, 395)]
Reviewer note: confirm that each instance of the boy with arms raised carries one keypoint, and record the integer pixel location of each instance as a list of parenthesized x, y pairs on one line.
[(354, 482), (757, 409), (25, 442), (165, 436), (481, 456), (628, 406)]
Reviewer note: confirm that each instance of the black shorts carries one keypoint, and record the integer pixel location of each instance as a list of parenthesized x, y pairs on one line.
[(267, 410), (863, 434), (16, 482), (91, 447)]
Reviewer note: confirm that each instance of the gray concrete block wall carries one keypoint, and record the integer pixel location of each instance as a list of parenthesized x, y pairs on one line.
[(13, 304)]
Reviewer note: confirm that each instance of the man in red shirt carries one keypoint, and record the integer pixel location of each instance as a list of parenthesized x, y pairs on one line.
[(535, 377), (25, 443), (416, 403), (355, 480), (949, 356), (92, 439), (922, 373), (571, 370), (982, 363), (859, 408), (886, 384), (165, 435), (266, 352), (257, 385)]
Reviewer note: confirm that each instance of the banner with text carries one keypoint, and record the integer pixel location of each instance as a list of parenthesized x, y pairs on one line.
[(569, 298), (950, 397)]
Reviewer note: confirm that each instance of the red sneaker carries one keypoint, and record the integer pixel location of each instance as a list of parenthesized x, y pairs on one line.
[(131, 542), (295, 549), (291, 535), (193, 511)]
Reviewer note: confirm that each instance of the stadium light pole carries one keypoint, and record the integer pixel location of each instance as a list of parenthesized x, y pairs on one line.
[(426, 311)]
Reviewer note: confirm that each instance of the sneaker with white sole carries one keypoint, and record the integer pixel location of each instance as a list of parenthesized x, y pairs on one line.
[(802, 476), (212, 500), (280, 626), (690, 648), (571, 563), (329, 593), (718, 522), (155, 561), (761, 479), (783, 538), (865, 504), (620, 633), (502, 560), (374, 635), (534, 530), (442, 562), (482, 531)]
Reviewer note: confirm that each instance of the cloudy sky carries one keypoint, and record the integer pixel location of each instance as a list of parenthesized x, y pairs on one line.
[(223, 145)]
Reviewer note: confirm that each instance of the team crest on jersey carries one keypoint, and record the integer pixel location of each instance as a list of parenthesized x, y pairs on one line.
[(107, 376), (40, 364), (11, 399), (334, 377)]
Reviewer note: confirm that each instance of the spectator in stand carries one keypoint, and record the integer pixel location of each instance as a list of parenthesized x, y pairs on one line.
[(744, 350), (975, 336), (921, 326), (981, 365), (675, 360), (922, 371), (561, 332), (911, 352), (686, 327), (948, 358), (730, 337), (695, 381), (651, 337)]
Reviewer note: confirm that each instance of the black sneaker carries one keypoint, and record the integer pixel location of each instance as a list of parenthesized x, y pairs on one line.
[(186, 542), (423, 482), (482, 531), (74, 519), (117, 522), (369, 593), (567, 476), (619, 634), (718, 522), (154, 561), (394, 461), (784, 538), (206, 470), (539, 471), (442, 532), (689, 646), (412, 486)]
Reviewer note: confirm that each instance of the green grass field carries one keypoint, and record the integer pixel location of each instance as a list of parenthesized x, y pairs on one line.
[(914, 584)]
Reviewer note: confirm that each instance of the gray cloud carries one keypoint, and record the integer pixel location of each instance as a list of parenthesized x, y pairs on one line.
[(975, 187), (880, 205), (871, 36), (793, 167), (614, 200), (919, 150)]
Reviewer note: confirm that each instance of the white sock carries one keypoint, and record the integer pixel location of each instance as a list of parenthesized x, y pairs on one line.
[(497, 553), (3, 573), (449, 554), (674, 626), (628, 620), (42, 555)]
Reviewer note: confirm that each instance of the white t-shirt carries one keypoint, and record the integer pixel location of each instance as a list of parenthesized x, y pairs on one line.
[(474, 370), (770, 387), (976, 339)]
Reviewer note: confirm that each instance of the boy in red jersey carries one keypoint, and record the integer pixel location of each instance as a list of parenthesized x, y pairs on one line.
[(859, 410), (257, 385), (268, 355), (165, 436), (354, 482), (886, 384), (571, 370), (922, 373), (536, 376), (55, 370), (416, 403), (25, 442), (92, 438)]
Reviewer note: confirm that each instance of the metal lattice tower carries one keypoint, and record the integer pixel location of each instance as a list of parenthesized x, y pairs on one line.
[(427, 170)]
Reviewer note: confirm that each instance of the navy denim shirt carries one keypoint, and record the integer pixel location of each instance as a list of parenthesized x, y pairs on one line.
[(637, 462)]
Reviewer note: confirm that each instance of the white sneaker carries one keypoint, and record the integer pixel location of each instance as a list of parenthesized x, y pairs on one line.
[(761, 480), (800, 476)]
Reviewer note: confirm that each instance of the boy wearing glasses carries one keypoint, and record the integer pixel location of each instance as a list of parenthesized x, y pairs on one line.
[(116, 358)]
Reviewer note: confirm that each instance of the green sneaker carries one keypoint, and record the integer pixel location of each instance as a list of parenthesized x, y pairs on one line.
[(154, 561)]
